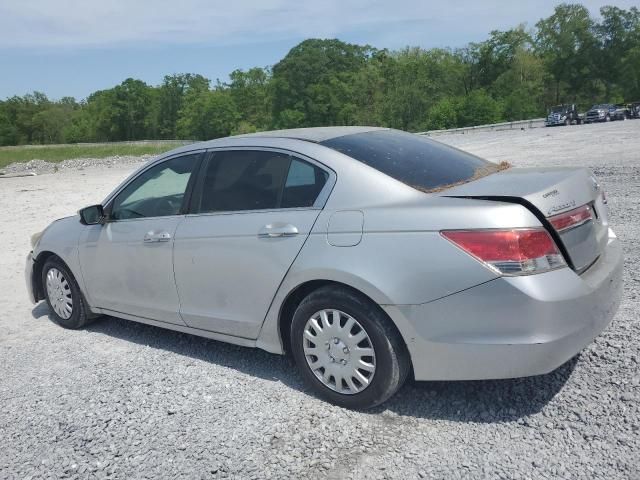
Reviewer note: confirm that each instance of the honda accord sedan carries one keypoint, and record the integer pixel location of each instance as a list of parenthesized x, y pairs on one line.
[(367, 254)]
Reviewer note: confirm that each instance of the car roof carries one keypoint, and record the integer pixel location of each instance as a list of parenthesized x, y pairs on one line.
[(312, 134), (273, 138)]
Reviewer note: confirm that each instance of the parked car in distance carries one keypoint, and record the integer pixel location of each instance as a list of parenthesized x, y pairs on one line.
[(634, 110), (622, 111), (604, 112), (563, 115), (368, 254)]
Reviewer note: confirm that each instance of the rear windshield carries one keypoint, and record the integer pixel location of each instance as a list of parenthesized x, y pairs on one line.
[(419, 162)]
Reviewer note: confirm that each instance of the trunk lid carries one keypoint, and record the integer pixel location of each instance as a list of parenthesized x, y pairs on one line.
[(548, 192)]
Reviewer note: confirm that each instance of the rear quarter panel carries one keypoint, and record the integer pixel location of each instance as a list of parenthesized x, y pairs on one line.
[(401, 259)]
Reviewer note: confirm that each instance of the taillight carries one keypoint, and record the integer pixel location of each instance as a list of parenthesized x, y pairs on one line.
[(572, 218), (511, 252)]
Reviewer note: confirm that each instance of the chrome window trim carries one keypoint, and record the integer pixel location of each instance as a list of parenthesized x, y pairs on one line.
[(247, 212)]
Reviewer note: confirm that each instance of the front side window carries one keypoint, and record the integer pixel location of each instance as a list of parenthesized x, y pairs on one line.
[(156, 192), (239, 180)]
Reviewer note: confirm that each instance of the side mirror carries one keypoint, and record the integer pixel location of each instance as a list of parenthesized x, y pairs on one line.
[(92, 215)]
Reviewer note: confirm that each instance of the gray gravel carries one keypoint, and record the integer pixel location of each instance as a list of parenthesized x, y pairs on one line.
[(41, 166), (124, 400)]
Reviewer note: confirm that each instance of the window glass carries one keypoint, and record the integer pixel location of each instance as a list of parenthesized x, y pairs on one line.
[(300, 174), (304, 183), (258, 180), (244, 180), (156, 192), (417, 161)]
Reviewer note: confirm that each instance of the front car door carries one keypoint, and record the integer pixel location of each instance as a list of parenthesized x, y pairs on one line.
[(127, 263), (251, 213)]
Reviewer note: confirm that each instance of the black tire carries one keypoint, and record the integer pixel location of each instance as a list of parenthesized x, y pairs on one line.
[(392, 362), (567, 122), (79, 312)]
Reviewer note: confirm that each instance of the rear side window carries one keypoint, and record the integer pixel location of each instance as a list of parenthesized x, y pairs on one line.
[(303, 185), (417, 161), (258, 180)]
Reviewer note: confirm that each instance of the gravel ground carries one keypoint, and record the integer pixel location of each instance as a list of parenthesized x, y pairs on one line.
[(40, 166), (124, 400)]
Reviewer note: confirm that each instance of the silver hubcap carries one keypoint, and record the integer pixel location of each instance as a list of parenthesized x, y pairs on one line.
[(59, 293), (339, 351)]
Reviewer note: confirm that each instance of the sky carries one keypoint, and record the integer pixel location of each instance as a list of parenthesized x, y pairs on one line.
[(75, 47)]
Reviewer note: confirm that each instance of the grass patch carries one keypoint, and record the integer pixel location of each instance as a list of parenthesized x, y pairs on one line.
[(58, 153)]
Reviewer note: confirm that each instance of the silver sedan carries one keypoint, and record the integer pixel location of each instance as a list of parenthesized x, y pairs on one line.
[(367, 254)]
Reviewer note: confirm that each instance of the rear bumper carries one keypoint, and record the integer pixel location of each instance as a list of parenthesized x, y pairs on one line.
[(28, 273), (512, 326)]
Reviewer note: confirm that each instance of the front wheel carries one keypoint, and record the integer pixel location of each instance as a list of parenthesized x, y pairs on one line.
[(347, 349), (63, 295)]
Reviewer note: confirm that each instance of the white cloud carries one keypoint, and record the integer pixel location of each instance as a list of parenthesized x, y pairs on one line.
[(90, 23)]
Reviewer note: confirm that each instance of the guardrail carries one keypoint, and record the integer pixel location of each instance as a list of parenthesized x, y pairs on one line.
[(517, 125)]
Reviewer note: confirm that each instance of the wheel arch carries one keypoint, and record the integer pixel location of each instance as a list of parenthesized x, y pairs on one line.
[(38, 265), (300, 292)]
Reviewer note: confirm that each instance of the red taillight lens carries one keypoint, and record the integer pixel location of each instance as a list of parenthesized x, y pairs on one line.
[(572, 218), (512, 252)]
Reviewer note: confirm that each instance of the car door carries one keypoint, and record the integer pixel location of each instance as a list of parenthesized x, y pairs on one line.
[(252, 211), (127, 263)]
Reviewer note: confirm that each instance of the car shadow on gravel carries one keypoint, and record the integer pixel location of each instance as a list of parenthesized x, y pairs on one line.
[(462, 401), (480, 401)]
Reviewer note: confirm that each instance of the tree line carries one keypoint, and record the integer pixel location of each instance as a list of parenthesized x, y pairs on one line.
[(569, 57)]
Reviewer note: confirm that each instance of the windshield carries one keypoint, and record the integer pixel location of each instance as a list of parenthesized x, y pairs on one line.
[(600, 107), (558, 109), (415, 160)]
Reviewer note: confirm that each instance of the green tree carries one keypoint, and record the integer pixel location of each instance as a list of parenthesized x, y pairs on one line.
[(316, 79), (478, 108), (8, 130), (207, 114), (251, 93), (521, 86), (415, 80), (444, 114), (171, 94), (567, 43), (618, 34)]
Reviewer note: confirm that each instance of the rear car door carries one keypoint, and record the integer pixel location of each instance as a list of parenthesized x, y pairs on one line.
[(252, 212), (127, 263)]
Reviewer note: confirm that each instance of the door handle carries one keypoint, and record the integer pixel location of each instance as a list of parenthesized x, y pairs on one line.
[(278, 230), (153, 237)]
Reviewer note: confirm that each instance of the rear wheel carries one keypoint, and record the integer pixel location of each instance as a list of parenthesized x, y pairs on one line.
[(63, 295), (347, 349)]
